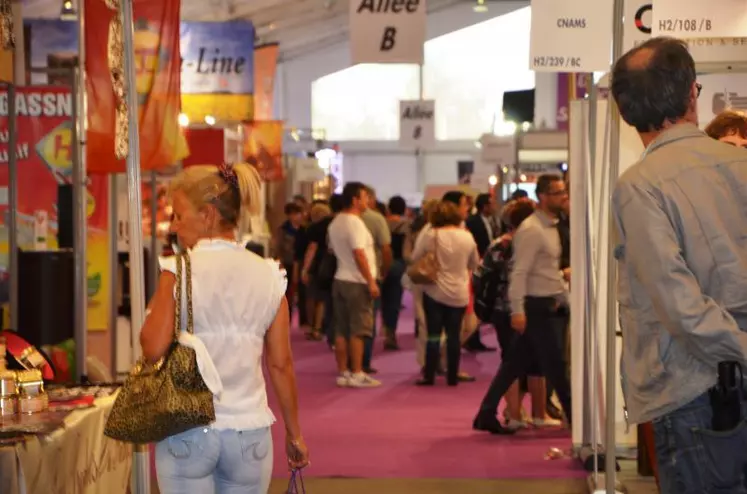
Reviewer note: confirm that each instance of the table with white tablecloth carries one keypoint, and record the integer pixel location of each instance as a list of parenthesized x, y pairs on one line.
[(74, 459)]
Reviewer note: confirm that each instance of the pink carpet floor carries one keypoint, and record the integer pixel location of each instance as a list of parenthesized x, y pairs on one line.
[(402, 431)]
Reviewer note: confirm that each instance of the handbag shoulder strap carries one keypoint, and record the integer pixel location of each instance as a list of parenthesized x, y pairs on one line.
[(183, 277), (188, 276), (178, 302)]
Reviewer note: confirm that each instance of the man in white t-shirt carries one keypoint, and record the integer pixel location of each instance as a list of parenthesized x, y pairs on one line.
[(354, 288)]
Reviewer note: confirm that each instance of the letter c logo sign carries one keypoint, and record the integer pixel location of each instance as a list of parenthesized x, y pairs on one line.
[(639, 19)]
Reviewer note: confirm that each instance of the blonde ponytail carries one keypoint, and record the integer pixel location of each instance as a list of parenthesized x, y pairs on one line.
[(204, 184), (250, 188)]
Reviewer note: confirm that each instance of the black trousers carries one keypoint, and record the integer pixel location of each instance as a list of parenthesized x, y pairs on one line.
[(441, 317), (542, 340)]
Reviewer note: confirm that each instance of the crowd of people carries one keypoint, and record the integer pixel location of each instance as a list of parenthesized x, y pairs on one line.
[(349, 261), (679, 216)]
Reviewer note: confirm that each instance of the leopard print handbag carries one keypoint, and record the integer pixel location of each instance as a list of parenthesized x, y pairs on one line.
[(163, 399)]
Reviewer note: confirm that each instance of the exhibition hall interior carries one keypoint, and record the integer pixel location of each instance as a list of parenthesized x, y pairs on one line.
[(253, 246)]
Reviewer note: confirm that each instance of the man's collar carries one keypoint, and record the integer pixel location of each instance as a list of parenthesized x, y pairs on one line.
[(672, 134), (545, 218)]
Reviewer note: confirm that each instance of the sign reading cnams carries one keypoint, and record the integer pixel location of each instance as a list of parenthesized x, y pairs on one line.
[(39, 104), (387, 31)]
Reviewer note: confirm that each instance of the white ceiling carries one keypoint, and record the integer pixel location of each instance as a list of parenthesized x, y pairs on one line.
[(299, 26)]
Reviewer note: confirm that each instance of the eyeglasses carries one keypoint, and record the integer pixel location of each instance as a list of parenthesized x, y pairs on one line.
[(699, 87), (556, 193)]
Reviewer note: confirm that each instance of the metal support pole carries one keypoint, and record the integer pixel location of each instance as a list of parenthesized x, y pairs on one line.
[(419, 153), (153, 257), (19, 58), (141, 462), (80, 230), (114, 271), (593, 93), (13, 204), (614, 171), (591, 330)]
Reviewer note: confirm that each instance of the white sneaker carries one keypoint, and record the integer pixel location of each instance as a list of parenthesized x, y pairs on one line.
[(363, 380), (516, 424), (343, 380)]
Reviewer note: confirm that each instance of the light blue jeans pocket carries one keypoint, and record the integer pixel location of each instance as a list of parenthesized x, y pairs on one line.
[(207, 461)]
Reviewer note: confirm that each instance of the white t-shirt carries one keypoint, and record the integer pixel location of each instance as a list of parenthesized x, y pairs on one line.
[(347, 233)]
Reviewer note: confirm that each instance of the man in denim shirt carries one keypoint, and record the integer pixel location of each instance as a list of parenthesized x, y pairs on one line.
[(680, 215)]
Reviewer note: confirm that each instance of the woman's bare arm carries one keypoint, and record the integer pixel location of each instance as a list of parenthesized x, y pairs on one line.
[(280, 368), (158, 330)]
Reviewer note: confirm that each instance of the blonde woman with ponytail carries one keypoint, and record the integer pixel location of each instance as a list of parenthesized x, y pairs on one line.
[(240, 313)]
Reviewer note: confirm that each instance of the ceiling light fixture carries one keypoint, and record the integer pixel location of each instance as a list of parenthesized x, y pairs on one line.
[(480, 7), (67, 11)]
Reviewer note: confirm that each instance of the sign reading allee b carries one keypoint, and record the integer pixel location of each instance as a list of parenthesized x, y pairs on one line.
[(387, 31), (417, 124)]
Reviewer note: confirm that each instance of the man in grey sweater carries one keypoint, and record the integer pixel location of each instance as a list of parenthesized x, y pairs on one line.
[(681, 222), (538, 307)]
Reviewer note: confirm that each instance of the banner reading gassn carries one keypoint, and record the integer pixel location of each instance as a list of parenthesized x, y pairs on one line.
[(387, 31), (44, 153)]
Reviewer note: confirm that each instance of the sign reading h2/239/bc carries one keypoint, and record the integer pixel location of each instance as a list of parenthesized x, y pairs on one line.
[(417, 124), (700, 19), (571, 35), (387, 31)]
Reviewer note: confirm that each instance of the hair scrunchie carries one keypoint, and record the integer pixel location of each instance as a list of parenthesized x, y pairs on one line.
[(228, 174)]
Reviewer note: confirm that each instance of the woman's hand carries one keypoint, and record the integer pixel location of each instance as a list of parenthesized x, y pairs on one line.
[(298, 453)]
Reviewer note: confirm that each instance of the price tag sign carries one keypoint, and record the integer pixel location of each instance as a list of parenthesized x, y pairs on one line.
[(571, 36), (700, 18)]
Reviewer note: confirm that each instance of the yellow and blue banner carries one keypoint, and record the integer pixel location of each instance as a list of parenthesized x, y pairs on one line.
[(217, 78)]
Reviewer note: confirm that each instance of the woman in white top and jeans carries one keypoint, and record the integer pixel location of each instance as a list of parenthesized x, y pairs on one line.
[(239, 311), (445, 301)]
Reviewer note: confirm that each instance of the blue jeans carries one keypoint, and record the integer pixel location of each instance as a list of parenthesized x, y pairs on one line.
[(208, 461), (391, 296), (694, 459)]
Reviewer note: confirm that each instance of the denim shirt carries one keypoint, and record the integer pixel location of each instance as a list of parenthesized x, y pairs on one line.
[(681, 222)]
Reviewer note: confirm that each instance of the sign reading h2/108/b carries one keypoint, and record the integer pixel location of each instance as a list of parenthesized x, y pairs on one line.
[(700, 19), (571, 35)]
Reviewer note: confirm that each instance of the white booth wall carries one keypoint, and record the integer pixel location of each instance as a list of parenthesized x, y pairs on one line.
[(370, 150)]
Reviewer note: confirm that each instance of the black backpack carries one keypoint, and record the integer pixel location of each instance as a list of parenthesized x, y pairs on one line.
[(485, 281)]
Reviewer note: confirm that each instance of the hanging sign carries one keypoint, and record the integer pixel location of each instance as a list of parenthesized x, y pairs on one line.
[(387, 31), (156, 46), (566, 93), (700, 19), (217, 70), (639, 26), (571, 36), (417, 124), (498, 150), (44, 154)]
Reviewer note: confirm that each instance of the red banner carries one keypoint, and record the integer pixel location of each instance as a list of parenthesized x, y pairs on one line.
[(264, 148), (44, 151), (158, 64), (265, 67)]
